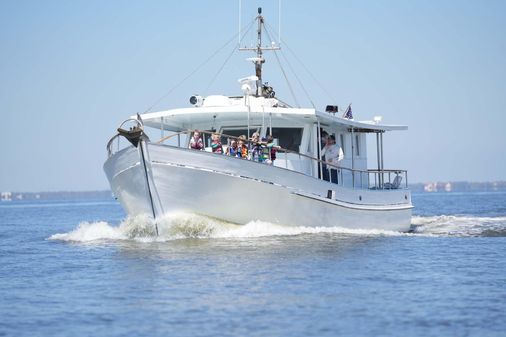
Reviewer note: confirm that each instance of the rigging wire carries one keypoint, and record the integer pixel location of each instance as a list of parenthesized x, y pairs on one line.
[(332, 98), (287, 81), (283, 72), (293, 71), (298, 80), (313, 77), (194, 71), (234, 49)]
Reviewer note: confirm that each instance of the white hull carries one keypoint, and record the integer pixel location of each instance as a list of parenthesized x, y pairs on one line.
[(241, 191)]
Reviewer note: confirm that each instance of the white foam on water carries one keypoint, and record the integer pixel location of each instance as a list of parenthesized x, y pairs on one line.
[(86, 231), (453, 225), (186, 225), (262, 228)]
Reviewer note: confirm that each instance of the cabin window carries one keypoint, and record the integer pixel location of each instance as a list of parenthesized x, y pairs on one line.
[(341, 141), (288, 138), (236, 132), (357, 145)]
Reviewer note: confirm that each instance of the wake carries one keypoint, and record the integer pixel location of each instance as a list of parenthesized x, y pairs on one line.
[(185, 226), (452, 225)]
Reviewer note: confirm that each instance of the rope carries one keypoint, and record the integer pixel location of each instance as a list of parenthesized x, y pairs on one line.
[(228, 58), (298, 80), (287, 81), (292, 70), (283, 72), (309, 72), (193, 72)]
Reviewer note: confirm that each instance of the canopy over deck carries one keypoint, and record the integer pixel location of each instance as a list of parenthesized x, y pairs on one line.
[(218, 109)]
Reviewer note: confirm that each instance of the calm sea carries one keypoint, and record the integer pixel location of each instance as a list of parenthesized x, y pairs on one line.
[(78, 268)]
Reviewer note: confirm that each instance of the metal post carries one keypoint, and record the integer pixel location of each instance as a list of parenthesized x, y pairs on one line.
[(381, 156), (378, 150), (279, 22), (263, 120), (161, 127), (240, 9), (318, 143), (352, 159), (248, 118), (270, 123)]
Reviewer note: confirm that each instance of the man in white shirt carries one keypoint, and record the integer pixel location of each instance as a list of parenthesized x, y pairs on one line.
[(333, 155)]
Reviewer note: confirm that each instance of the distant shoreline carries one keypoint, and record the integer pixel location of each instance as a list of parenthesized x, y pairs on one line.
[(60, 195), (431, 187), (459, 186)]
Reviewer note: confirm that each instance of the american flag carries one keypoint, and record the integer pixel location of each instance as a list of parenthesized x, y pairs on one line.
[(348, 114)]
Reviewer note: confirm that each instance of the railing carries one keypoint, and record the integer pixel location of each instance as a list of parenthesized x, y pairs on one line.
[(138, 124), (346, 177)]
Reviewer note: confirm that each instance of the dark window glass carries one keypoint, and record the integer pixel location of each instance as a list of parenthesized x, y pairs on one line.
[(288, 138), (235, 133), (357, 145)]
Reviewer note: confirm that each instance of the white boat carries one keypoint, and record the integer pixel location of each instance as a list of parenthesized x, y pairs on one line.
[(166, 176)]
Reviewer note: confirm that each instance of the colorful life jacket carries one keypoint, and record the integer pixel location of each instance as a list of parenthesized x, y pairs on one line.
[(234, 152), (266, 153), (196, 144), (217, 147), (273, 151), (256, 153), (244, 151)]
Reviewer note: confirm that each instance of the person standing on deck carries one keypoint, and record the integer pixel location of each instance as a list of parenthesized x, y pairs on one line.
[(323, 141), (333, 155)]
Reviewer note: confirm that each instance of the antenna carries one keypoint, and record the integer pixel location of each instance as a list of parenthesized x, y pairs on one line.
[(240, 10), (259, 59), (279, 23)]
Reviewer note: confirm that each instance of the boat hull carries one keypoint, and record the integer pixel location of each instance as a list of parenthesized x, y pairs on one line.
[(240, 191)]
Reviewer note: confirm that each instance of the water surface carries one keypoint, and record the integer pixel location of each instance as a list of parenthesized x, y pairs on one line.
[(80, 268)]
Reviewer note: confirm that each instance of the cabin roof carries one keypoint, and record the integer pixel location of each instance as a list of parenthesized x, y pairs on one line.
[(219, 109)]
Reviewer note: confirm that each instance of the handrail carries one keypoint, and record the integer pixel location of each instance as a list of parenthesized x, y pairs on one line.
[(378, 183), (109, 143), (139, 122)]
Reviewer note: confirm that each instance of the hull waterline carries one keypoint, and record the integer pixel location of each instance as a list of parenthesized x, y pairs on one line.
[(241, 191)]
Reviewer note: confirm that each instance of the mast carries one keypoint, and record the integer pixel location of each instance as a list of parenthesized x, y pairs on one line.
[(259, 59)]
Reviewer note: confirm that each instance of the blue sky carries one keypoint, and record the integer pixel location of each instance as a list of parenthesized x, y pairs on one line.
[(72, 70)]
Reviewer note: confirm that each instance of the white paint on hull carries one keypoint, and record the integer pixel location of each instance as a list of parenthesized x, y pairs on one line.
[(241, 191)]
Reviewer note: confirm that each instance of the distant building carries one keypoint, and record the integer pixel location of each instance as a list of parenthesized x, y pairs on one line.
[(6, 196), (448, 187), (430, 187), (459, 186)]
